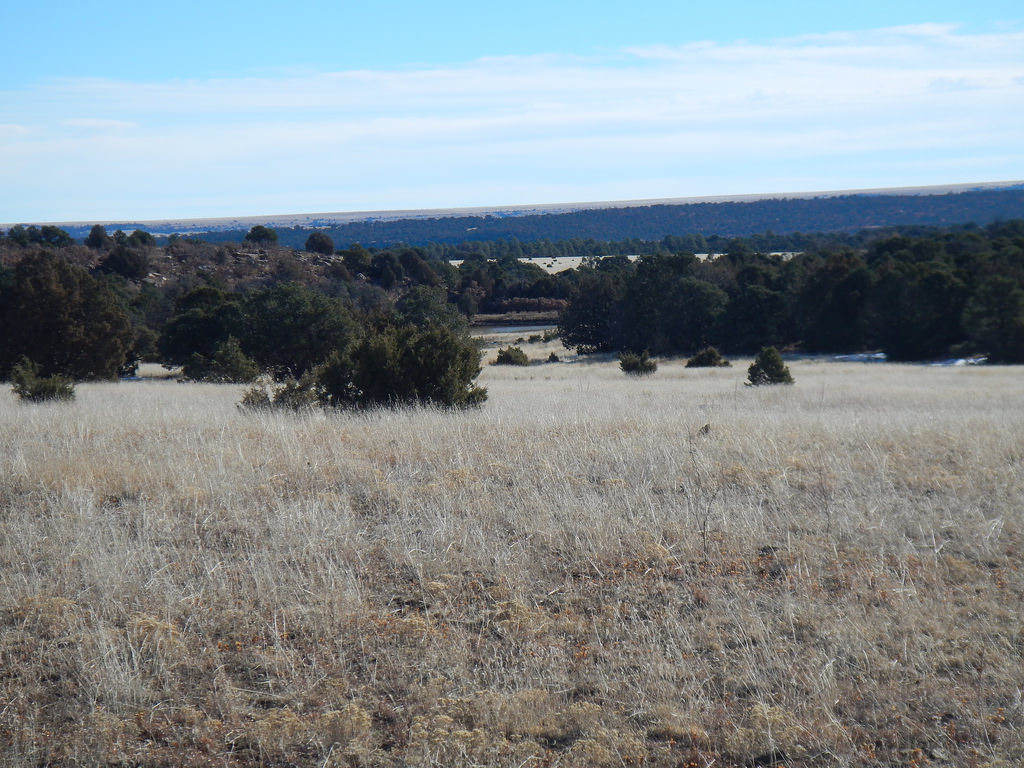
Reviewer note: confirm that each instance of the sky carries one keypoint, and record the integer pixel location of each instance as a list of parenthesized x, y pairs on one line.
[(123, 112)]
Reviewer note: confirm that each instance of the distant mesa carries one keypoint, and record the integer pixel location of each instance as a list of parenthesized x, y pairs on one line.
[(727, 215)]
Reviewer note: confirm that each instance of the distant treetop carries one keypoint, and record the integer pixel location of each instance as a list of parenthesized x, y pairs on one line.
[(261, 235)]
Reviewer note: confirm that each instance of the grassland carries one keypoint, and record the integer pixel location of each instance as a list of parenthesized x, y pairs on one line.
[(576, 574)]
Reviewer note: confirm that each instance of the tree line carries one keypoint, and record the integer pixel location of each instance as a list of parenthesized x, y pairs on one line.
[(355, 325), (952, 292), (93, 311)]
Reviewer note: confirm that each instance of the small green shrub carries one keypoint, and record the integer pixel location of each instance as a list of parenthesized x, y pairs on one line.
[(709, 357), (298, 394), (512, 356), (131, 264), (633, 364), (553, 358), (257, 398), (229, 365), (29, 385), (535, 338), (768, 368), (291, 394), (393, 366), (402, 365)]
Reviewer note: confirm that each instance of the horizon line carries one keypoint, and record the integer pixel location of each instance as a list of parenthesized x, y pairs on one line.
[(317, 220)]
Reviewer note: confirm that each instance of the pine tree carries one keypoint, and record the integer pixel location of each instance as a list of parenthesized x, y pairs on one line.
[(768, 368)]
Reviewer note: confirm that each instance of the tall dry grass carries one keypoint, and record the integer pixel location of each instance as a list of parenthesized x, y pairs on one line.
[(575, 574)]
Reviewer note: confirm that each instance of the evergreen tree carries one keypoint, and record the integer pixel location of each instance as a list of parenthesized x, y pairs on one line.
[(229, 365), (320, 242), (290, 329), (404, 365), (204, 319), (768, 368), (98, 237), (62, 319), (994, 320), (261, 235)]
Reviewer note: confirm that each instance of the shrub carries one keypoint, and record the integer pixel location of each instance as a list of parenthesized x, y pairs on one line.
[(709, 357), (405, 364), (320, 242), (257, 398), (261, 235), (512, 356), (298, 394), (291, 394), (29, 385), (768, 368), (553, 358), (130, 264), (399, 364), (228, 365), (633, 364)]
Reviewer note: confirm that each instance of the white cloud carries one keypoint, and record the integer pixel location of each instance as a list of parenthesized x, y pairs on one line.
[(13, 131), (742, 115), (97, 124)]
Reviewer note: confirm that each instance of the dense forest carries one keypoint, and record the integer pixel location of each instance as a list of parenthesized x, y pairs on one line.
[(363, 321), (952, 292)]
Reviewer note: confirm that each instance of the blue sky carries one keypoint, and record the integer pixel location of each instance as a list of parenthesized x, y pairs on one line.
[(114, 111)]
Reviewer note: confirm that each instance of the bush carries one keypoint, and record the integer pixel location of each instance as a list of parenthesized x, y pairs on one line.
[(291, 394), (512, 356), (29, 385), (633, 364), (261, 235), (257, 398), (298, 394), (768, 368), (320, 242), (405, 364), (553, 358), (709, 357), (228, 365), (399, 364), (132, 265)]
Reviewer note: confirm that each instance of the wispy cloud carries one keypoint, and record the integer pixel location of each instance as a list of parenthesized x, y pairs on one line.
[(11, 131), (97, 124), (825, 111)]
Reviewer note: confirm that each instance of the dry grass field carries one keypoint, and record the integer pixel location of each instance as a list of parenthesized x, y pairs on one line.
[(576, 574)]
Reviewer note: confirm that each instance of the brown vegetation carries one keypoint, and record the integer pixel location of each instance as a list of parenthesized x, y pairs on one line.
[(577, 573)]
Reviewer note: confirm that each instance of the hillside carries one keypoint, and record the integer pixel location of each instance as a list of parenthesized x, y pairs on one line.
[(844, 213), (646, 220)]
